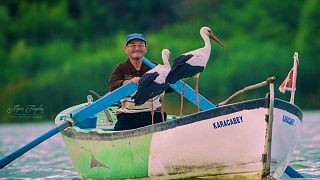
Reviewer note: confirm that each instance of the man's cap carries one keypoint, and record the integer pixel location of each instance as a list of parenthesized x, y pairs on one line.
[(135, 36)]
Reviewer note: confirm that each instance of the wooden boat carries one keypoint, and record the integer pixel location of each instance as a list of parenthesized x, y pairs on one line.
[(253, 139), (248, 139)]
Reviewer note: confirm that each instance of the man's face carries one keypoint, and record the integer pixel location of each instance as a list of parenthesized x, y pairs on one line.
[(136, 49)]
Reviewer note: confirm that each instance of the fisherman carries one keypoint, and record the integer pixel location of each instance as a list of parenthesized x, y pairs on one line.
[(129, 115)]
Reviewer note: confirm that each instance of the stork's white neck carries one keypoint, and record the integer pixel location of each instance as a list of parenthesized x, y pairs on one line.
[(205, 37), (165, 58), (166, 62)]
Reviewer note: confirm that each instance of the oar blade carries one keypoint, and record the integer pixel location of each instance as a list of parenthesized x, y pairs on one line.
[(14, 155), (292, 173)]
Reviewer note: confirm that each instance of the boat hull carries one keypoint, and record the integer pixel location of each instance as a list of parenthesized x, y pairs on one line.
[(229, 140)]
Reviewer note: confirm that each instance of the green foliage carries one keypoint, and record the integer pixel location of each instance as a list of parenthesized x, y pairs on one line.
[(53, 52), (308, 46)]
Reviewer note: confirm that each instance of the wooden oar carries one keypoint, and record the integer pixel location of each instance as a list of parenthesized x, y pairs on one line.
[(80, 116), (206, 105)]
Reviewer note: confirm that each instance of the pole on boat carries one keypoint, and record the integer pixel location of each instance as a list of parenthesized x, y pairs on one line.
[(290, 82), (294, 76), (80, 116), (248, 88), (269, 118)]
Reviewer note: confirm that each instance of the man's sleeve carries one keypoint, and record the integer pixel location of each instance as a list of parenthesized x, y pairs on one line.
[(116, 79)]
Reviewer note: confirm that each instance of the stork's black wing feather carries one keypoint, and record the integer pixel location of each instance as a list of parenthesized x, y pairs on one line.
[(147, 78), (179, 61)]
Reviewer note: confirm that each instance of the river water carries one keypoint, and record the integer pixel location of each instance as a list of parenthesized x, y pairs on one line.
[(50, 159)]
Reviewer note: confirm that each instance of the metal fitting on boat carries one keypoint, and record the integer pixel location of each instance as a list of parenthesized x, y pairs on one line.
[(71, 121), (271, 79), (89, 99)]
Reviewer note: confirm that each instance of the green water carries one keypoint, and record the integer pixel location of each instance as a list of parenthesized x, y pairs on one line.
[(50, 160)]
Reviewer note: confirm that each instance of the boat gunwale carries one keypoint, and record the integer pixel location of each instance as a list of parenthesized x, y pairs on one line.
[(196, 117)]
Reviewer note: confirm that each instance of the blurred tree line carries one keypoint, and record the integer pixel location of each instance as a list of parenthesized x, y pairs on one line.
[(53, 52)]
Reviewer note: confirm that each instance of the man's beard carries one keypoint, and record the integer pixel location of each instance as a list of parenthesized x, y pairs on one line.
[(136, 57)]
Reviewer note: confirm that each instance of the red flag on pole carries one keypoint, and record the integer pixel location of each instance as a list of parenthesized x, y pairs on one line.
[(290, 82), (287, 83)]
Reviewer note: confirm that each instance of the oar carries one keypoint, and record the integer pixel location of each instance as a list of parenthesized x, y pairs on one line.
[(206, 105), (292, 173), (82, 115)]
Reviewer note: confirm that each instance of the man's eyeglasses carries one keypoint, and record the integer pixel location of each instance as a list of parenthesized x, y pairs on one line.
[(134, 46)]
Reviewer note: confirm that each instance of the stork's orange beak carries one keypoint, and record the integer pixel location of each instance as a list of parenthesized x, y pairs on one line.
[(212, 36)]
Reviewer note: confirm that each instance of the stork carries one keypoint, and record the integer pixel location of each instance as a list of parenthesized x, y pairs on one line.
[(153, 83), (192, 63)]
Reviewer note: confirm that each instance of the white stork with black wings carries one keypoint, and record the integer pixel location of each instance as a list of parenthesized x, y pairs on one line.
[(192, 63), (153, 82)]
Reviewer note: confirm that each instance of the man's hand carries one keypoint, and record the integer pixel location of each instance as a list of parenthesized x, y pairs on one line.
[(134, 80)]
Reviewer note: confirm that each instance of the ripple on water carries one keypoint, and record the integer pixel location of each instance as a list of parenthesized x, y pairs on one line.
[(306, 158)]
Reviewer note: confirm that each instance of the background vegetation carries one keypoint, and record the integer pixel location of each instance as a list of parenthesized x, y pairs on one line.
[(53, 52)]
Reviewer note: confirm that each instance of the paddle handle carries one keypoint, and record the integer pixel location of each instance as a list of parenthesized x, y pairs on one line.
[(14, 155)]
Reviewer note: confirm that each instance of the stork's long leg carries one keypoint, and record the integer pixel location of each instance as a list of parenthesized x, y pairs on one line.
[(152, 112), (182, 96), (162, 108), (197, 91)]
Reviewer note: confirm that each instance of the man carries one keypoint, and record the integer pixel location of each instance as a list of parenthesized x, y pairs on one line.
[(131, 116)]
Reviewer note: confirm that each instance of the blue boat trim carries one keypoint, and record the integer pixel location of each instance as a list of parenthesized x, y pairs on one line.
[(291, 108)]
